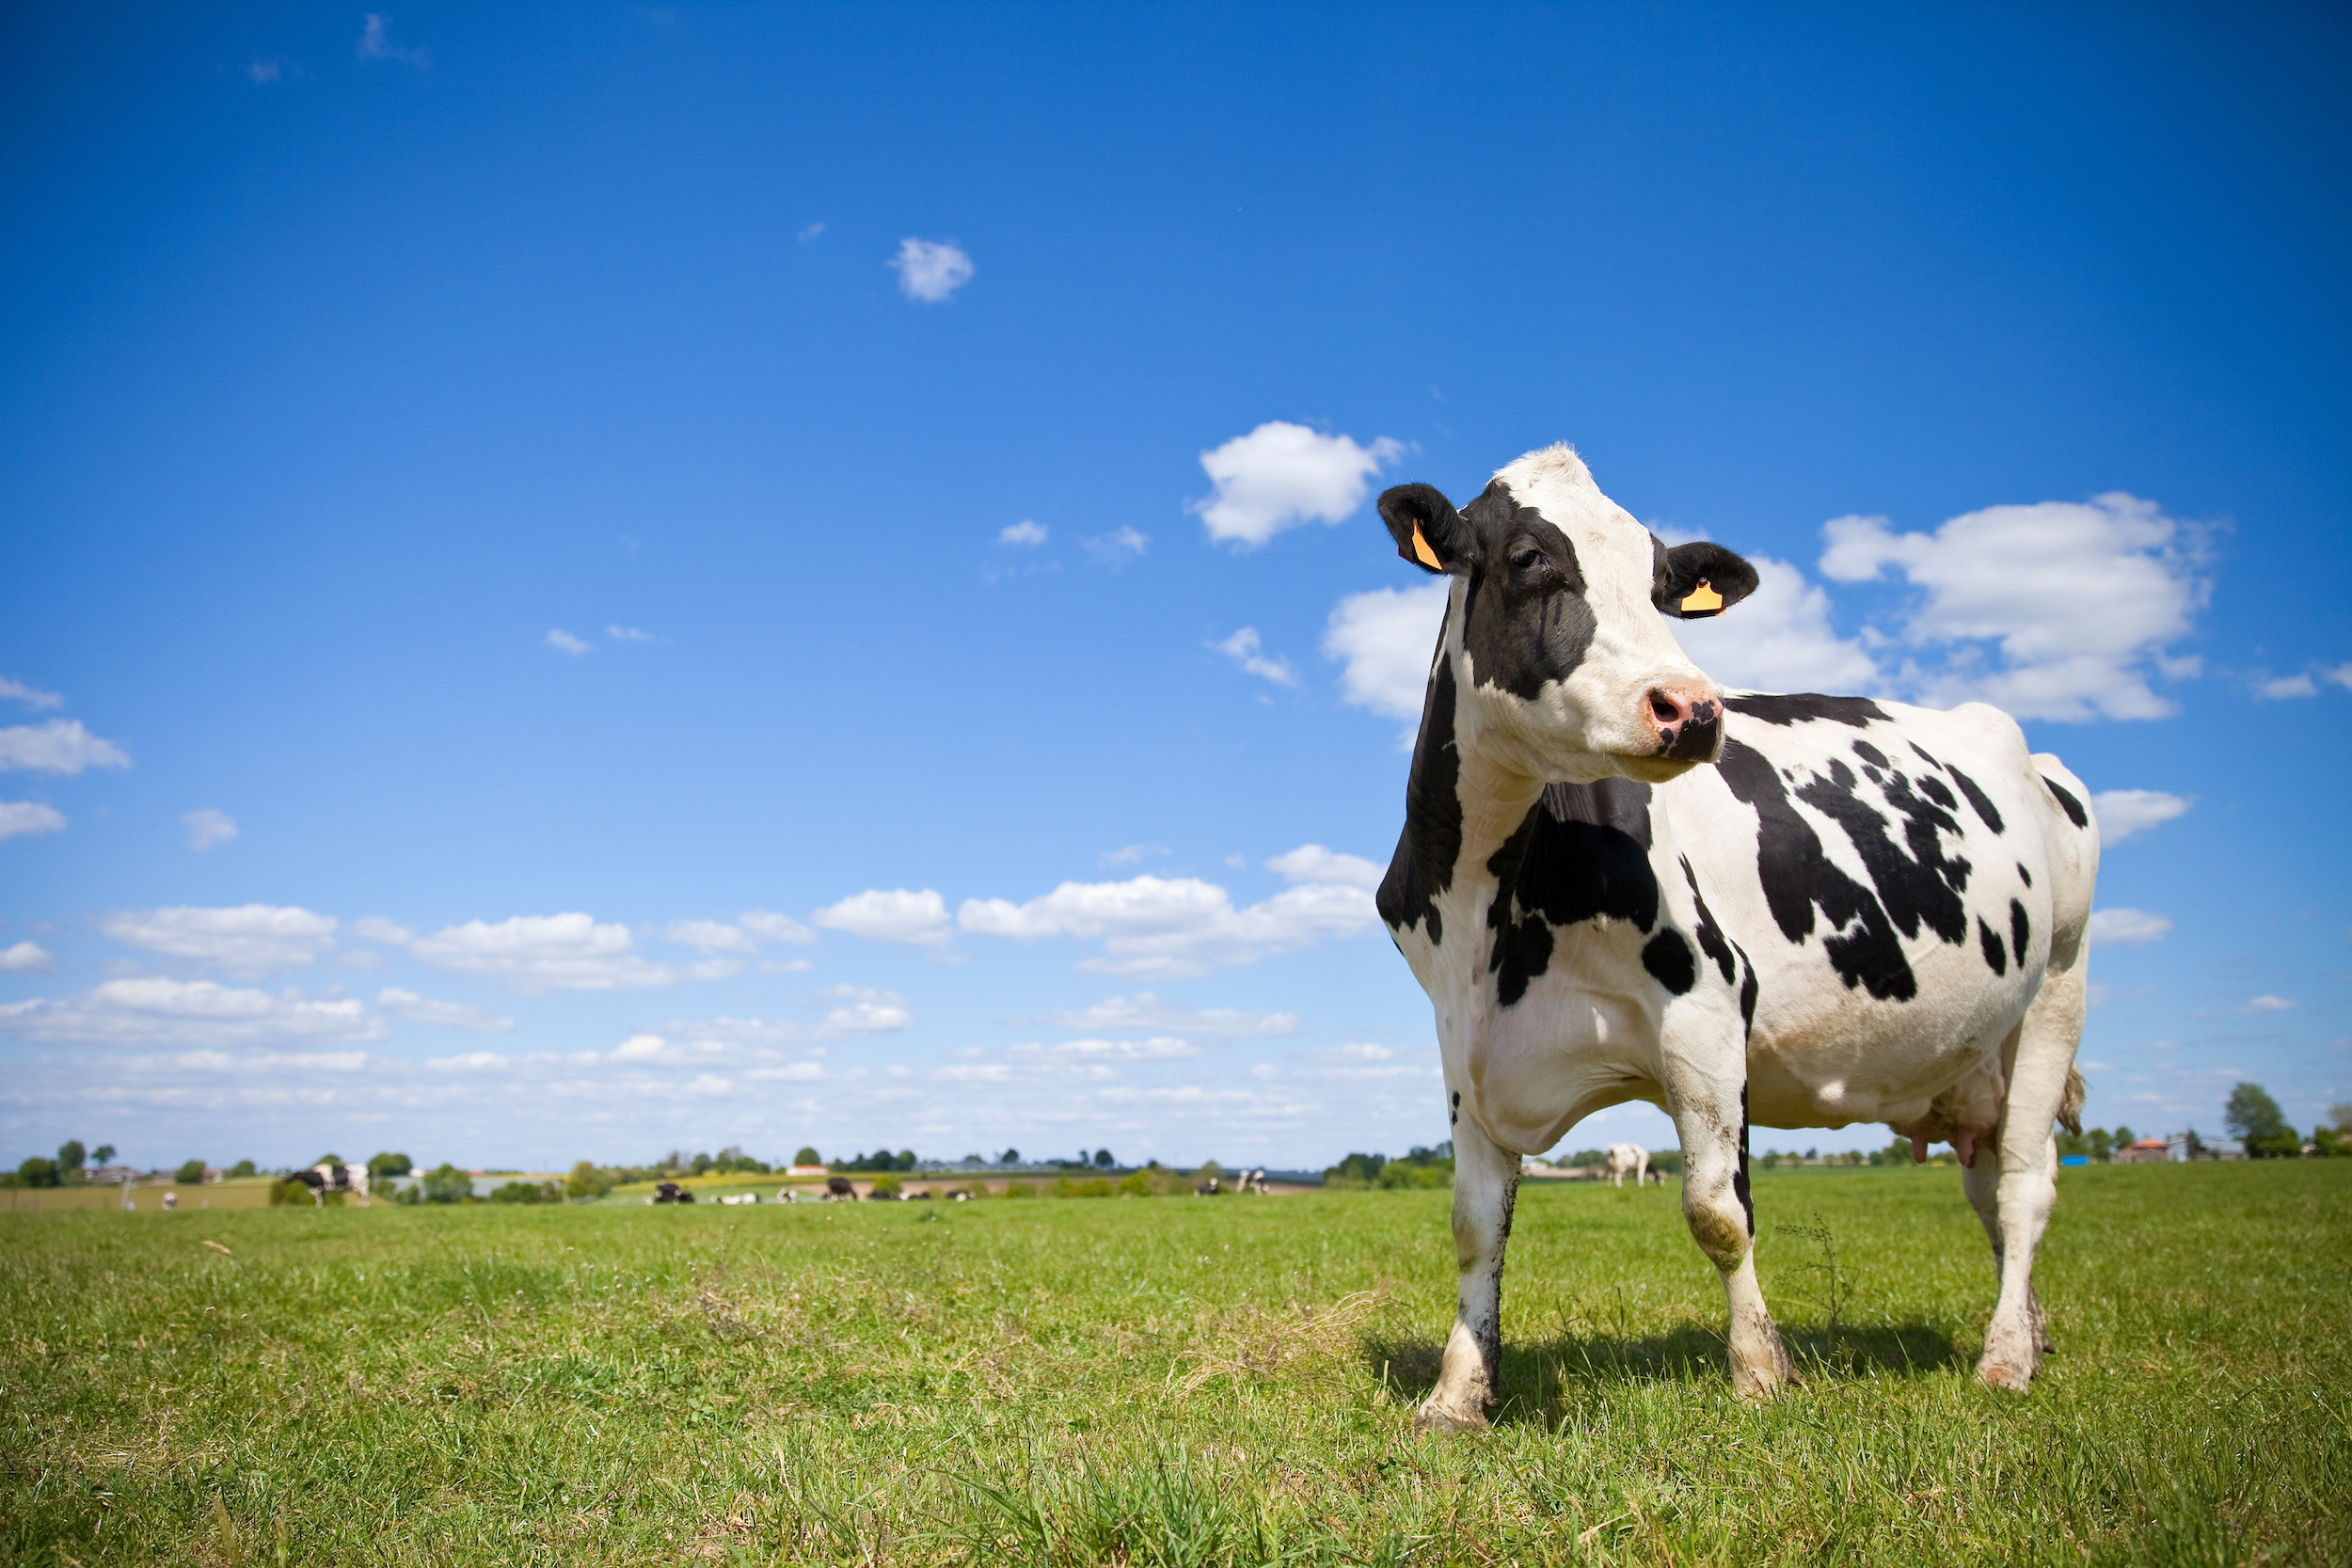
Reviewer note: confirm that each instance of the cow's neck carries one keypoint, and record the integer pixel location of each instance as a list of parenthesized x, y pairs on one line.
[(1496, 799), (1464, 802)]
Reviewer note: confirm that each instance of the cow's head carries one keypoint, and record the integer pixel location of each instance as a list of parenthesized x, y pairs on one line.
[(1559, 652)]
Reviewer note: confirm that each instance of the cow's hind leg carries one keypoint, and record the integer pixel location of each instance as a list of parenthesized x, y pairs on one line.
[(2023, 1177), (1485, 1185), (1712, 1122)]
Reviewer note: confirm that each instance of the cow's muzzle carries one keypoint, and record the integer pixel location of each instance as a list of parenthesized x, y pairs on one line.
[(1690, 726)]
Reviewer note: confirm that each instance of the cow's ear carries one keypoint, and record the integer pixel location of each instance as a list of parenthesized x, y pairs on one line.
[(1427, 531), (1699, 579)]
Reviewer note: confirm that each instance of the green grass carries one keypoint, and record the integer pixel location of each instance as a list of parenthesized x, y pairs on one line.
[(1174, 1380)]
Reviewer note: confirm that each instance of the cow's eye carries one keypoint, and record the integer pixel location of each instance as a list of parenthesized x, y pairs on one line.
[(1527, 561)]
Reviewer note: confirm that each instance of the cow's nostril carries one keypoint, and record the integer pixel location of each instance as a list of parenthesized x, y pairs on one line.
[(1666, 709)]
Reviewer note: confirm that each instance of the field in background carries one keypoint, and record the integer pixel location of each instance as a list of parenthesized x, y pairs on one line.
[(145, 1196), (1174, 1382)]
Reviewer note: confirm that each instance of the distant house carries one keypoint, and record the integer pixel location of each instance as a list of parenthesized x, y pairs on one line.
[(2147, 1152)]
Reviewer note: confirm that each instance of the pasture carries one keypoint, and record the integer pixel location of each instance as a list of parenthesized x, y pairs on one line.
[(1174, 1380)]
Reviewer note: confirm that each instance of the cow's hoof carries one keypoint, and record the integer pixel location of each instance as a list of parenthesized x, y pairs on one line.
[(2009, 1375), (1446, 1420)]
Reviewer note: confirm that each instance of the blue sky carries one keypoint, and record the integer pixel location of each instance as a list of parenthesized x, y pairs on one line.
[(582, 581)]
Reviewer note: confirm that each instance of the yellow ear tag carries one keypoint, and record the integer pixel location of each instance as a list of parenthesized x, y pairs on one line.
[(1701, 598), (1427, 557)]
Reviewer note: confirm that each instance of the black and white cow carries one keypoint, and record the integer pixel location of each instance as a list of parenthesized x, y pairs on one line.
[(1861, 912)]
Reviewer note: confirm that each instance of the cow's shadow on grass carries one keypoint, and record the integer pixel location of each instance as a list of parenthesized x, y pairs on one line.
[(1542, 1378)]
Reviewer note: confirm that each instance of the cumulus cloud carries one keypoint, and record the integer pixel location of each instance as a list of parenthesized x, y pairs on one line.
[(1243, 649), (1145, 1011), (2054, 611), (930, 270), (1115, 548), (30, 696), (1778, 638), (2339, 676), (1312, 863), (1159, 1048), (765, 925), (2286, 687), (537, 954), (1281, 475), (893, 914), (627, 634), (245, 939), (448, 1015), (26, 958), (262, 71), (208, 827), (374, 928), (1385, 640), (60, 746), (1027, 534), (852, 1012), (28, 817), (2265, 1004), (565, 643), (1155, 927), (2123, 813), (2127, 927), (161, 1012), (375, 43)]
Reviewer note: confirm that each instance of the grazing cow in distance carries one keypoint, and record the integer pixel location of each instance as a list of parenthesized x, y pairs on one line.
[(840, 1189), (1628, 1160), (670, 1192), (739, 1198), (1618, 882), (1210, 1188)]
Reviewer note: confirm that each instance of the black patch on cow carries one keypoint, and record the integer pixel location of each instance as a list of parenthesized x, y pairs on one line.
[(1710, 936), (1871, 753), (1667, 957), (1923, 755), (2020, 931), (1921, 887), (2023, 875), (1454, 1111), (1525, 620), (1582, 853), (1977, 800), (2075, 812), (1990, 940), (1793, 707), (1798, 877), (1747, 992), (1739, 1176), (1422, 867), (1933, 789)]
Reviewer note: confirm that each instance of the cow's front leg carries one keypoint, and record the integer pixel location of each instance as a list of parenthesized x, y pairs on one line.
[(1486, 1184), (1712, 1122)]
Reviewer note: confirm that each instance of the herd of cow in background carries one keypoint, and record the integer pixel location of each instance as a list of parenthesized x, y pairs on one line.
[(840, 1189)]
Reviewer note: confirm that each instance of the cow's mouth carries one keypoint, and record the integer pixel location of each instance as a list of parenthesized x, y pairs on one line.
[(1652, 769)]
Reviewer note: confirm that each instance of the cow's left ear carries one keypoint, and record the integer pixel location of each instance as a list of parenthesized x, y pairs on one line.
[(1699, 579)]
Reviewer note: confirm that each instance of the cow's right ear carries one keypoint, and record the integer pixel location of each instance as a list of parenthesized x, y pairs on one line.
[(1427, 531)]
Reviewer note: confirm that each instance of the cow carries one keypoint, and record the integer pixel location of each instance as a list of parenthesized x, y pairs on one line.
[(670, 1192), (840, 1189), (1618, 881), (1628, 1160)]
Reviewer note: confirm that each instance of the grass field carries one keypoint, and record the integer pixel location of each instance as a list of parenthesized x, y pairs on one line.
[(1174, 1380)]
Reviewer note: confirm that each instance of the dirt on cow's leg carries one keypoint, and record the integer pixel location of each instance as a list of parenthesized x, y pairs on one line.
[(2025, 1159), (1711, 1119), (1485, 1185)]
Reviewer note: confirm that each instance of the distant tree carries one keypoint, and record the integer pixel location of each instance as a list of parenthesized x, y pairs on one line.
[(103, 1155), (191, 1174), (446, 1183), (2327, 1140), (1010, 1157), (1357, 1170), (586, 1180), (1102, 1158), (2341, 1115), (807, 1156), (2258, 1122), (71, 1159), (2124, 1137), (527, 1191), (905, 1160), (243, 1168), (38, 1172), (699, 1164), (2102, 1144), (389, 1164)]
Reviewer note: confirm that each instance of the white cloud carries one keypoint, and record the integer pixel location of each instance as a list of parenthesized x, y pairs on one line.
[(810, 232), (60, 746), (856, 1012), (31, 697), (1132, 854), (26, 958), (1025, 533), (763, 926), (2126, 927), (1280, 475), (260, 72), (536, 954), (28, 817), (859, 1010), (2054, 610), (1778, 638), (627, 634), (2339, 676), (375, 44), (1312, 862), (709, 935), (564, 641), (2266, 1003), (1152, 926), (1159, 1048), (889, 915), (376, 930), (2123, 813), (1115, 548), (1145, 1011), (1243, 649), (930, 270), (2286, 687), (207, 828), (154, 1011), (448, 1015), (246, 938), (1387, 640)]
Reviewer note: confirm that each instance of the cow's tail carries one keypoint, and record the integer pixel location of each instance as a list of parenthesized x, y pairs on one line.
[(2070, 1105)]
